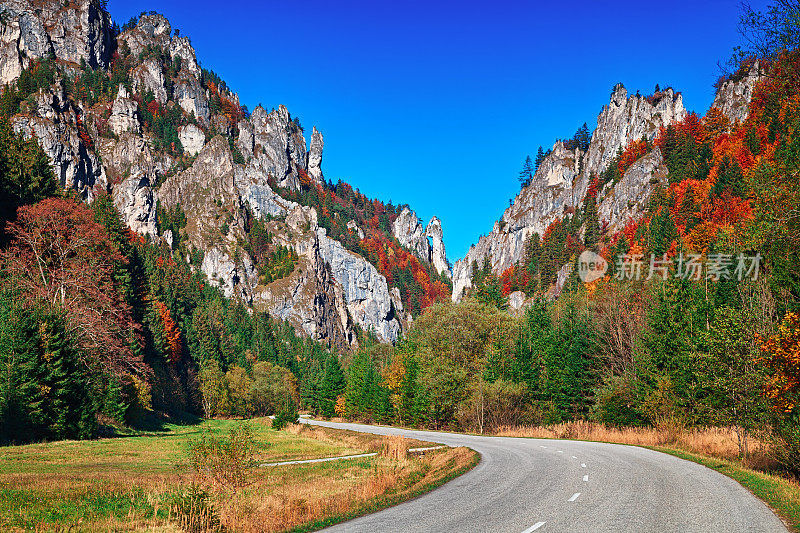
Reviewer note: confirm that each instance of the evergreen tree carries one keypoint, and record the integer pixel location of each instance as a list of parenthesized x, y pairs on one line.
[(527, 172), (333, 384), (539, 158)]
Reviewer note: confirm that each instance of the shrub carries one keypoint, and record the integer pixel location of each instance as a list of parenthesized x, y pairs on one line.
[(223, 463), (287, 415)]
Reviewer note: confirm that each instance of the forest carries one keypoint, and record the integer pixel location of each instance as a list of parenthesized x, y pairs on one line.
[(101, 327)]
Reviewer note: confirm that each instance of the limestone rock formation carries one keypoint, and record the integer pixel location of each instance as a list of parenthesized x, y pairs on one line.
[(131, 164), (427, 243), (150, 77), (562, 179), (733, 96), (124, 113), (69, 31), (56, 122), (438, 255), (315, 155), (192, 98), (208, 195), (277, 143), (366, 292), (629, 198), (408, 230), (192, 139)]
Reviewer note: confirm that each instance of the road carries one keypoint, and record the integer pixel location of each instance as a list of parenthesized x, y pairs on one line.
[(526, 485)]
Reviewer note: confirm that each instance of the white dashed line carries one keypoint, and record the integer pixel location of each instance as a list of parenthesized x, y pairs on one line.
[(560, 451), (574, 457), (545, 447), (583, 465), (586, 477), (574, 497), (534, 527)]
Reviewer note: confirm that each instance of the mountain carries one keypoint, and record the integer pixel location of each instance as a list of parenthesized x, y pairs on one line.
[(131, 112), (565, 176)]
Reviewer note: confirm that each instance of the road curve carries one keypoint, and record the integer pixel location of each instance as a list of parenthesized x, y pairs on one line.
[(526, 485)]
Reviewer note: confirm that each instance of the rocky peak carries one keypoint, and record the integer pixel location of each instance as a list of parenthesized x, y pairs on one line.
[(408, 230), (627, 119), (315, 155), (734, 94), (124, 113), (563, 177), (438, 256), (69, 31)]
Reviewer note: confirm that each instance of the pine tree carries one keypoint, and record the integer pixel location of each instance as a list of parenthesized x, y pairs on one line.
[(539, 158), (333, 384), (527, 172)]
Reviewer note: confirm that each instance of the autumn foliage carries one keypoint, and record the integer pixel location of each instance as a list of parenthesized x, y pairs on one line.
[(61, 257), (782, 357), (172, 334)]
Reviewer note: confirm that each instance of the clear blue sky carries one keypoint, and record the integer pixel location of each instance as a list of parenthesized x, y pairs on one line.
[(436, 104)]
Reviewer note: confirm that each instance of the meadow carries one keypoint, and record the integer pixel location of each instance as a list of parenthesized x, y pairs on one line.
[(145, 481)]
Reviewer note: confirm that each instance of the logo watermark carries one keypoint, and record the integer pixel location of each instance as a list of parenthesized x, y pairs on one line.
[(633, 267)]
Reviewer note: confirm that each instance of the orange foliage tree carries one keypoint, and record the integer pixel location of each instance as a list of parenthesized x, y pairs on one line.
[(172, 334)]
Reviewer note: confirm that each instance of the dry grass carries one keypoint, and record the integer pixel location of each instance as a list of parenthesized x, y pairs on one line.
[(344, 488), (144, 482), (714, 442)]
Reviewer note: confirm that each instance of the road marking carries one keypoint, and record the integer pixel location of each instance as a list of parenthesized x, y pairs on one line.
[(574, 457), (574, 497), (540, 446), (586, 477), (583, 465), (560, 451), (534, 527)]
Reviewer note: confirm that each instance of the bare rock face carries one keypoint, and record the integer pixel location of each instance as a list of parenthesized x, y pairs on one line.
[(627, 119), (124, 113), (192, 139), (315, 155), (278, 145), (22, 39), (150, 77), (734, 95), (562, 179), (70, 31), (133, 168), (208, 195), (365, 290), (435, 234), (629, 198), (150, 30), (426, 243), (57, 123), (182, 48), (192, 98), (408, 230), (354, 227)]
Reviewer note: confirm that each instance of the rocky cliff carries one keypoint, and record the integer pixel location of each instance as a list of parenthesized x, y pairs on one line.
[(69, 31), (219, 166), (426, 243), (563, 177)]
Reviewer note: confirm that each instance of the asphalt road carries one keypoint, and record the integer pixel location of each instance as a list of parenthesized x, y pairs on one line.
[(525, 485)]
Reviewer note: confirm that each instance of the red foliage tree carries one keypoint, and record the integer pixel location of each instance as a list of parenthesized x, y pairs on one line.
[(172, 334), (62, 258)]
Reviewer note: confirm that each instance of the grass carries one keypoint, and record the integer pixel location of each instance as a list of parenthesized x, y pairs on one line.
[(144, 481), (715, 448)]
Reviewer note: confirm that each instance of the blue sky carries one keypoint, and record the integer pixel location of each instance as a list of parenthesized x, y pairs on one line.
[(436, 104)]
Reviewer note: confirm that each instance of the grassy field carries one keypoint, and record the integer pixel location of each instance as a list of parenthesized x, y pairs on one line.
[(145, 481)]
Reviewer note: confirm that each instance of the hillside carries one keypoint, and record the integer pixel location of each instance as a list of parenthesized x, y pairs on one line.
[(618, 169), (131, 112)]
